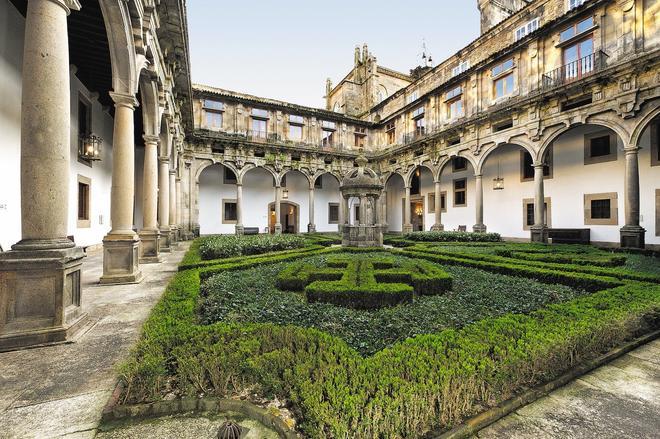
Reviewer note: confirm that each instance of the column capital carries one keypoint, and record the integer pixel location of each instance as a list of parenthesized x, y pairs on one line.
[(631, 150), (478, 176), (151, 139), (173, 172), (68, 5), (540, 165), (124, 100), (164, 160)]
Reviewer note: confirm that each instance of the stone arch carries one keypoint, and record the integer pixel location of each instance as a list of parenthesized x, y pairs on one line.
[(409, 175), (210, 162), (388, 177), (150, 107), (485, 154), (446, 160), (123, 59), (549, 140), (165, 147), (241, 174), (310, 180), (322, 173), (643, 123)]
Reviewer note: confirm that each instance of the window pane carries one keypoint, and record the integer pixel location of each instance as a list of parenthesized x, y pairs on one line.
[(600, 146), (230, 211), (600, 209), (530, 214), (333, 213), (459, 184), (259, 112), (585, 24), (296, 119), (295, 132)]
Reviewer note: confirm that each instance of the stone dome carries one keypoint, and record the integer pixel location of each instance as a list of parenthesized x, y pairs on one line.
[(361, 177)]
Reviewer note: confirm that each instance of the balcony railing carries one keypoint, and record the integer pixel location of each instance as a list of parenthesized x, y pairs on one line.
[(262, 136), (574, 71)]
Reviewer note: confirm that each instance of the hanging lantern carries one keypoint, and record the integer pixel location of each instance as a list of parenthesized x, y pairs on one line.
[(90, 147), (498, 183), (285, 194)]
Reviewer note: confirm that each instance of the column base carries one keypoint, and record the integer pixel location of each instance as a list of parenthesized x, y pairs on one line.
[(633, 237), (407, 228), (278, 228), (120, 260), (173, 241), (479, 228), (539, 234), (437, 228), (311, 228), (165, 240), (239, 229), (40, 297), (150, 247)]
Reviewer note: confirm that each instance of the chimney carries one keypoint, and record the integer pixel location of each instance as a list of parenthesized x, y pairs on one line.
[(495, 11)]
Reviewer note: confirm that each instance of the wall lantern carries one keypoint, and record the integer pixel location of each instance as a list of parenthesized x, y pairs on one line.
[(90, 147), (285, 194), (419, 210), (498, 183)]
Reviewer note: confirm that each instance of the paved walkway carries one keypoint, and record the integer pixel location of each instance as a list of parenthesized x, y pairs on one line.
[(619, 400), (60, 391)]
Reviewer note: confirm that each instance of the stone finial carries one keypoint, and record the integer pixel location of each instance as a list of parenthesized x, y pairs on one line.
[(361, 159), (357, 56)]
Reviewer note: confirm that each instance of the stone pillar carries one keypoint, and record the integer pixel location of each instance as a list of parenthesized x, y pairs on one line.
[(311, 227), (383, 215), (179, 209), (278, 198), (479, 226), (407, 225), (172, 205), (121, 245), (40, 278), (364, 210), (437, 226), (347, 211), (150, 235), (632, 234), (538, 231), (239, 208), (164, 203)]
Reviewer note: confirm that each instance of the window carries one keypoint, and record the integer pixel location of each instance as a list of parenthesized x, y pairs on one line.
[(228, 177), (451, 94), (213, 111), (328, 125), (600, 147), (655, 143), (229, 212), (459, 164), (528, 213), (503, 86), (327, 137), (420, 127), (259, 113), (502, 68), (390, 131), (259, 128), (526, 29), (411, 97), (572, 4), (443, 202), (415, 183), (360, 136), (84, 185), (296, 120), (213, 105), (460, 192), (333, 213), (576, 29), (460, 68), (84, 117), (213, 120), (601, 209), (527, 165), (295, 132)]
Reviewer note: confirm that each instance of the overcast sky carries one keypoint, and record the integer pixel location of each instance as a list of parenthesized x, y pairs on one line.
[(265, 48)]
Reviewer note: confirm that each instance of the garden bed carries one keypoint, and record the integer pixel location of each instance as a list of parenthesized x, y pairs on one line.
[(341, 373)]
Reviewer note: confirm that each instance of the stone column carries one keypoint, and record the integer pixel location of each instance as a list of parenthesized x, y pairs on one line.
[(179, 209), (632, 234), (164, 203), (347, 211), (539, 232), (40, 277), (383, 210), (438, 208), (278, 201), (407, 225), (121, 245), (150, 235), (311, 227), (479, 226), (172, 211), (239, 208)]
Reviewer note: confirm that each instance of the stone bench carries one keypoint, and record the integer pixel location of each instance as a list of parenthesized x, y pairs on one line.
[(570, 236), (251, 231)]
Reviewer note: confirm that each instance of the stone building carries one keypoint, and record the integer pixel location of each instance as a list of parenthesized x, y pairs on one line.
[(549, 121)]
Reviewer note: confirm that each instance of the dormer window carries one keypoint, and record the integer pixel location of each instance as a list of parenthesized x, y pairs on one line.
[(411, 97), (460, 68), (213, 111), (526, 29), (572, 4)]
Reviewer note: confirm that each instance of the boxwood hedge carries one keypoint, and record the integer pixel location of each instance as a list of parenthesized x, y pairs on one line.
[(423, 383)]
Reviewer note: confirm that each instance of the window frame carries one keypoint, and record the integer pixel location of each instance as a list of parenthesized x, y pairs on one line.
[(613, 220), (526, 29), (226, 180), (548, 212), (505, 78), (548, 164), (453, 164), (226, 201), (455, 191), (330, 206), (611, 157), (390, 133), (655, 143), (84, 222)]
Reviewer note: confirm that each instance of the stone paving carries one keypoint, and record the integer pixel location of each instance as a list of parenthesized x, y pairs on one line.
[(60, 391), (618, 400)]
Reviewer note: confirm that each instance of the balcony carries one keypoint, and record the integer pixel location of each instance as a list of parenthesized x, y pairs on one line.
[(574, 71)]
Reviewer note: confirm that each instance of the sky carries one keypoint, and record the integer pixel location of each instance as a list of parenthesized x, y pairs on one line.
[(286, 49)]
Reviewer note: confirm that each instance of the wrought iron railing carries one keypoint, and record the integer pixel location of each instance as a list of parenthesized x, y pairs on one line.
[(574, 71)]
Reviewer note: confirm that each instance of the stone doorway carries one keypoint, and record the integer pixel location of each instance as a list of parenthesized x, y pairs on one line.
[(289, 217), (416, 212)]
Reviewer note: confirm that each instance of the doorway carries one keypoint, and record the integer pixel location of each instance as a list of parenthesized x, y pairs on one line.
[(289, 217), (416, 213)]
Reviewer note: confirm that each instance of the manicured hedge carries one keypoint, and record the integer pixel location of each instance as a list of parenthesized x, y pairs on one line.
[(426, 382), (452, 237), (226, 246), (600, 260), (365, 283)]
